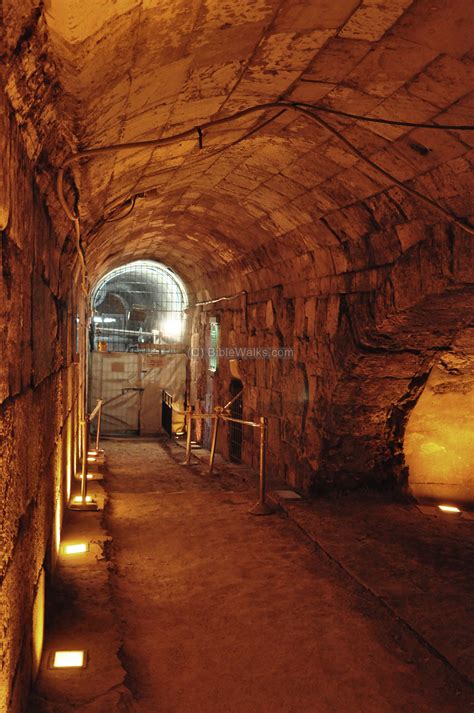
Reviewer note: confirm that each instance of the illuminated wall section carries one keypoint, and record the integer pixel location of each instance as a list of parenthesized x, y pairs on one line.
[(38, 624), (439, 439)]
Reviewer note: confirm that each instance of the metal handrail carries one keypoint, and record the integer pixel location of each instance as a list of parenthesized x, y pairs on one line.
[(234, 398), (239, 420), (261, 507), (96, 409)]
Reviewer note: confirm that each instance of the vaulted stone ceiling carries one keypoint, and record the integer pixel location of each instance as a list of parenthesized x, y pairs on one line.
[(85, 74)]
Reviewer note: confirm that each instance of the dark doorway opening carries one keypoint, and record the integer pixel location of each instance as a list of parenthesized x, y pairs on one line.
[(235, 429)]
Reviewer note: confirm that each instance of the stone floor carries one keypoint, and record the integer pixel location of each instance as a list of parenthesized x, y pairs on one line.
[(315, 609)]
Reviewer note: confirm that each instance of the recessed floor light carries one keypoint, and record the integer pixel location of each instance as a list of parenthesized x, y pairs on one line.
[(68, 659), (449, 508), (77, 499), (76, 549)]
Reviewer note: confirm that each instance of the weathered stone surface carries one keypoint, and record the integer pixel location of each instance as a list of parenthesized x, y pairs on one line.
[(438, 441), (359, 280), (38, 394)]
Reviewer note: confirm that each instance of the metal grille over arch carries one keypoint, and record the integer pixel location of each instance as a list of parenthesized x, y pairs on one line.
[(138, 307)]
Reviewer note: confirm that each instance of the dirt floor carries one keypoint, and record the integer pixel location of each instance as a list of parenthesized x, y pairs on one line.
[(223, 612)]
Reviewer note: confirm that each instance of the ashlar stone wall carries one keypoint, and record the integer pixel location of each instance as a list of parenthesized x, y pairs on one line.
[(38, 409), (361, 347)]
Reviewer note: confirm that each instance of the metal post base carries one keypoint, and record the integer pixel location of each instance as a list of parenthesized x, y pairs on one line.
[(261, 509)]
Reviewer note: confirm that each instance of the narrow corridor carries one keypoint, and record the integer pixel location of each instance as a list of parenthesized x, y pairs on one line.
[(224, 612)]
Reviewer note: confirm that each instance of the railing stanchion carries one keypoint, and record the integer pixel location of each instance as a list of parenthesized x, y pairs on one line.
[(85, 441), (218, 410), (262, 507), (82, 501), (189, 428)]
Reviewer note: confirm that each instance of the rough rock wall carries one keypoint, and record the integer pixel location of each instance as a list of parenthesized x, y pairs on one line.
[(439, 439), (38, 387), (362, 346)]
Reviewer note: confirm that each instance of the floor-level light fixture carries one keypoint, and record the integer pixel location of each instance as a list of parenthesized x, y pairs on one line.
[(78, 500), (68, 659), (449, 508), (76, 549)]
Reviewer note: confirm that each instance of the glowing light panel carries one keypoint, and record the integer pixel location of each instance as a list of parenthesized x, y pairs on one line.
[(78, 499), (69, 659), (449, 508), (76, 549)]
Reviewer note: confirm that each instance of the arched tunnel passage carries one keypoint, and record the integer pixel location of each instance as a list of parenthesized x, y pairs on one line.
[(306, 168), (139, 348)]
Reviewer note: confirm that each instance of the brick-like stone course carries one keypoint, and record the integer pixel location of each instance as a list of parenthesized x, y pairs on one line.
[(38, 397), (362, 350)]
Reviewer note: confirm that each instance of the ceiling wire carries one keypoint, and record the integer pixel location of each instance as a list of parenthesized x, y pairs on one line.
[(307, 109), (113, 219), (201, 159), (387, 174), (82, 260), (389, 122)]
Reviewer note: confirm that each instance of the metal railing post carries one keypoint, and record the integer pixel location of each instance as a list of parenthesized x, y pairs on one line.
[(83, 502), (85, 440), (189, 428), (218, 410), (261, 507)]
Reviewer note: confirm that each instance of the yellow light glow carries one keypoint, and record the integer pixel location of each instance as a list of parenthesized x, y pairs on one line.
[(90, 476), (449, 508), (38, 624), (92, 453), (69, 457), (78, 499), (69, 659), (91, 459), (75, 549), (58, 518)]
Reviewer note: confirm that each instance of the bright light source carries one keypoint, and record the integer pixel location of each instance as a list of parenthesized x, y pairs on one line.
[(91, 459), (104, 320), (90, 476), (172, 328), (92, 452), (78, 499), (76, 549), (69, 659), (449, 508)]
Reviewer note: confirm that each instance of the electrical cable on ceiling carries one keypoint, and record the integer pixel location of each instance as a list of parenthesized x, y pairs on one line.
[(390, 122), (298, 106), (112, 219), (388, 175), (82, 260), (220, 299), (307, 109), (201, 159)]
